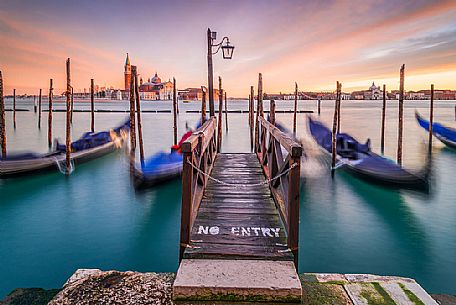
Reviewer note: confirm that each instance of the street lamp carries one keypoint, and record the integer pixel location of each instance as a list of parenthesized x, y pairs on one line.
[(227, 52)]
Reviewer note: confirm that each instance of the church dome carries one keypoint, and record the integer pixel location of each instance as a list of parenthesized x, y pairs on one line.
[(155, 79)]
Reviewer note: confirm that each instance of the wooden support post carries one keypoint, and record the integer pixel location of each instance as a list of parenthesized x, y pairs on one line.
[(68, 123), (219, 127), (176, 95), (2, 118), (401, 114), (92, 106), (203, 105), (334, 132), (294, 181), (272, 112), (34, 103), (295, 108), (50, 114), (382, 144), (257, 139), (252, 114), (14, 108), (226, 113), (72, 107), (39, 110), (138, 116), (338, 107), (174, 112), (132, 124), (187, 196), (260, 94), (319, 106), (431, 117)]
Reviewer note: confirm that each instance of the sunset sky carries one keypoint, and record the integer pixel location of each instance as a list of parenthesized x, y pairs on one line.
[(315, 43)]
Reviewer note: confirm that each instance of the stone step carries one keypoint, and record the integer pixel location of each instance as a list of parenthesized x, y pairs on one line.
[(237, 280)]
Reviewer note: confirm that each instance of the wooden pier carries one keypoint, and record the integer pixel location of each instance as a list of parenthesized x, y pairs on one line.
[(240, 218)]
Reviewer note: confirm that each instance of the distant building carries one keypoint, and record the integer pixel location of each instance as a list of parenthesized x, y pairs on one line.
[(155, 89), (372, 93), (195, 94), (127, 74)]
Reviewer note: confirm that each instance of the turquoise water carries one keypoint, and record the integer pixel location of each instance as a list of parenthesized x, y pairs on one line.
[(50, 225)]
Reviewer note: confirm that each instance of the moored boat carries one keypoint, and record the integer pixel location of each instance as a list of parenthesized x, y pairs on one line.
[(358, 159), (445, 134), (90, 146)]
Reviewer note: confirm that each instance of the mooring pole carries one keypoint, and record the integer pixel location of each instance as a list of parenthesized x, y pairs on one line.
[(319, 106), (138, 116), (132, 125), (176, 95), (39, 110), (295, 108), (50, 114), (338, 107), (226, 113), (68, 123), (272, 112), (72, 102), (431, 117), (34, 103), (219, 127), (92, 105), (256, 143), (174, 112), (203, 105), (2, 118), (14, 108), (252, 115), (401, 114), (260, 94), (334, 132), (383, 120)]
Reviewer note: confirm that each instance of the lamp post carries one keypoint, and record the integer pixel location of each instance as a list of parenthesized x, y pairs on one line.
[(227, 51)]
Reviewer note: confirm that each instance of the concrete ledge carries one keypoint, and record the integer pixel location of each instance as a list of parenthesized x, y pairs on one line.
[(237, 280)]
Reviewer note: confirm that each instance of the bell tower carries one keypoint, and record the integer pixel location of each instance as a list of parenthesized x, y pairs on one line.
[(127, 73)]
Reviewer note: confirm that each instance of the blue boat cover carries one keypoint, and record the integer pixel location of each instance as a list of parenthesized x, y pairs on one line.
[(160, 162), (437, 129)]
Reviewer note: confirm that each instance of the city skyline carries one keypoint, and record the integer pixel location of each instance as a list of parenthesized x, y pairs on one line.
[(312, 43)]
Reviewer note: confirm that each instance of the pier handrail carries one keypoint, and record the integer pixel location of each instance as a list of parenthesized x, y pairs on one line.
[(199, 151), (285, 189)]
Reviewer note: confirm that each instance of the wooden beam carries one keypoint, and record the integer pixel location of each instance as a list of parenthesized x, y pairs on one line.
[(68, 114), (50, 114), (401, 115), (2, 118)]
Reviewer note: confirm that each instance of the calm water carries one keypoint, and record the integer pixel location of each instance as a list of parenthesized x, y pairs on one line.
[(50, 225)]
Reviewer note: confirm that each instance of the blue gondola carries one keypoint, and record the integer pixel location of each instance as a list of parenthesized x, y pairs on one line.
[(88, 147), (358, 159), (445, 134)]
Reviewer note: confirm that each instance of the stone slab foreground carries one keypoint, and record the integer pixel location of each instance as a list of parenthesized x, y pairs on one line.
[(237, 280)]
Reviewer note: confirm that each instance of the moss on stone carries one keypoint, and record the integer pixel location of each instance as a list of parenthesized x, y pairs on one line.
[(412, 297), (323, 294), (29, 296), (308, 277), (377, 295)]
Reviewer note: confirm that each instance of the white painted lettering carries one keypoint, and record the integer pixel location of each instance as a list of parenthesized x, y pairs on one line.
[(276, 231), (245, 231), (256, 230), (214, 230), (235, 231), (266, 232), (203, 230)]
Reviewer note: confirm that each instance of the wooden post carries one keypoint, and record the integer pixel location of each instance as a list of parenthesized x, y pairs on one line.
[(92, 106), (174, 112), (34, 103), (383, 120), (294, 181), (187, 196), (68, 123), (256, 144), (319, 106), (431, 117), (260, 94), (401, 114), (226, 113), (50, 114), (2, 118), (210, 72), (252, 114), (219, 127), (176, 95), (138, 116), (72, 102), (14, 108), (338, 107), (295, 108), (39, 111), (272, 112), (132, 124), (203, 105), (334, 132)]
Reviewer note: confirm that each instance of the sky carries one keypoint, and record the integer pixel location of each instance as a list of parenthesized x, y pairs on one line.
[(314, 43)]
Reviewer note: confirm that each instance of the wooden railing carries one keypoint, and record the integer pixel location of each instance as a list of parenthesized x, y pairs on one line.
[(286, 188), (199, 150)]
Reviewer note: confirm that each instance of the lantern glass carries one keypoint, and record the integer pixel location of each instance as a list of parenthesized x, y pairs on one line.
[(227, 51), (213, 35)]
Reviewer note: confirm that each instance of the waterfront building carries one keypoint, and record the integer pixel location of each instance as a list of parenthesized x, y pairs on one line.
[(127, 73), (195, 94), (155, 89)]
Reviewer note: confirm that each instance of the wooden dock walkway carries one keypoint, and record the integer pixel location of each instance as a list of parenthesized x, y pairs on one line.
[(238, 221)]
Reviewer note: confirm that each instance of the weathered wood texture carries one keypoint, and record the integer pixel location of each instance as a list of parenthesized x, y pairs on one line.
[(68, 114), (295, 108), (203, 105), (174, 112), (382, 145), (2, 118), (14, 108), (401, 116), (219, 126), (39, 110), (431, 117), (50, 114), (238, 221), (138, 119), (92, 106)]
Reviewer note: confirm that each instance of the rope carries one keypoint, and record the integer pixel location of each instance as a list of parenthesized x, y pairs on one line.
[(241, 185)]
